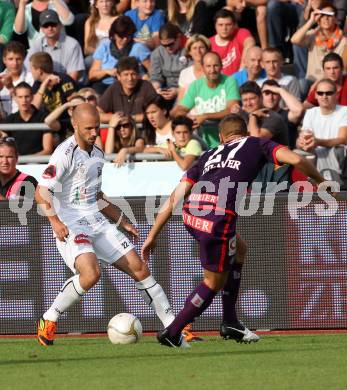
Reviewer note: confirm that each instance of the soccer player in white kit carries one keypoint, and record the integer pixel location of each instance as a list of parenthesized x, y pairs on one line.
[(70, 195)]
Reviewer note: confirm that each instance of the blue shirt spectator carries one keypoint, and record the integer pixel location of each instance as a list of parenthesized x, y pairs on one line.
[(103, 53), (146, 27)]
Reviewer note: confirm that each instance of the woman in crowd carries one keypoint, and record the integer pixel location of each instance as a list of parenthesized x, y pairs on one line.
[(97, 26), (327, 37), (28, 15), (157, 124), (123, 138), (191, 16), (196, 46), (120, 44)]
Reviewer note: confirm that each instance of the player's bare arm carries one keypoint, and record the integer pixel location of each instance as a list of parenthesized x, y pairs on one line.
[(43, 198), (286, 156), (180, 192), (112, 212)]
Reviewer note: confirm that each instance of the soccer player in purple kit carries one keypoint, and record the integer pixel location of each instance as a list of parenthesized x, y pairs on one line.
[(210, 191)]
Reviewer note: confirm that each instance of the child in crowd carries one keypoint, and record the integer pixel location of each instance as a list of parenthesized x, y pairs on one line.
[(184, 149), (148, 21)]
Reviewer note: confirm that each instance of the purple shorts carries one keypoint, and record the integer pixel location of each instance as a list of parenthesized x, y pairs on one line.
[(216, 235)]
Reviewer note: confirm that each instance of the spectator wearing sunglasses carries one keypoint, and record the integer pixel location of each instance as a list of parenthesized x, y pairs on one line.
[(167, 61), (123, 138), (13, 183), (324, 129)]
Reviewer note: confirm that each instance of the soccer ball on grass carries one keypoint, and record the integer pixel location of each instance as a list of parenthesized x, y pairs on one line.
[(124, 328)]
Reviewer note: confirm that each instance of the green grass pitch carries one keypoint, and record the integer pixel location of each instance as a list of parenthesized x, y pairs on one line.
[(295, 362)]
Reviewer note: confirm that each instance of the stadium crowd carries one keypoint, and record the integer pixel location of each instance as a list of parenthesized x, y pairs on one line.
[(162, 74)]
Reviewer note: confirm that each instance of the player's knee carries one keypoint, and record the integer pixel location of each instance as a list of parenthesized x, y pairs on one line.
[(90, 277)]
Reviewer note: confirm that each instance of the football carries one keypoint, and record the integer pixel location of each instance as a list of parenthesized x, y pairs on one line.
[(124, 328)]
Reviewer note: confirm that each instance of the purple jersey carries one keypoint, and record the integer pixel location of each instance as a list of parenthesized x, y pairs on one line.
[(219, 172), (209, 212)]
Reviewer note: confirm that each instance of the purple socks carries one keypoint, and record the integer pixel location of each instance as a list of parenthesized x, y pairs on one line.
[(230, 294), (196, 303)]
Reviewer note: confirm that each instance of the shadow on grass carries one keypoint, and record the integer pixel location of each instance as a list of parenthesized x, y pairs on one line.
[(175, 353)]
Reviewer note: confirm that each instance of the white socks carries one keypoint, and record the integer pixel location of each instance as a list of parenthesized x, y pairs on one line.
[(70, 293), (154, 296)]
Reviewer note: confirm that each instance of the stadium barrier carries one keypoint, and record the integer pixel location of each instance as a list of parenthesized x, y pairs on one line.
[(294, 278)]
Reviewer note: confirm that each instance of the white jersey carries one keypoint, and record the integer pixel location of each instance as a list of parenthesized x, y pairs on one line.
[(74, 178)]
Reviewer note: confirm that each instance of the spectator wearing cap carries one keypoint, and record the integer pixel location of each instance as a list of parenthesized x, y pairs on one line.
[(327, 37), (120, 44), (27, 17), (13, 183), (65, 51)]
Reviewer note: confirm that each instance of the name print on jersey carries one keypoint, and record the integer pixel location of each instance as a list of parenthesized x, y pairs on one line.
[(215, 161)]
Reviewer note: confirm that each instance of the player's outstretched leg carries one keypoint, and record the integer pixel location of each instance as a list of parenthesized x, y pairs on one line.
[(231, 327), (71, 293), (150, 290), (196, 303)]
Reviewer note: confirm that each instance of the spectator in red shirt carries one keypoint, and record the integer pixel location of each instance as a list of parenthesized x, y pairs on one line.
[(230, 42), (333, 70)]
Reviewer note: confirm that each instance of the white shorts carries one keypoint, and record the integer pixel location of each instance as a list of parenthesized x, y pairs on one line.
[(107, 242)]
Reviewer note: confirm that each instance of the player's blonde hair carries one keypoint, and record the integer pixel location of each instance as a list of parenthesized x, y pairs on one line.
[(233, 124)]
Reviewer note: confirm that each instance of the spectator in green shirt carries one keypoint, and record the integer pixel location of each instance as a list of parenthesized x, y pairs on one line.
[(7, 15), (212, 96)]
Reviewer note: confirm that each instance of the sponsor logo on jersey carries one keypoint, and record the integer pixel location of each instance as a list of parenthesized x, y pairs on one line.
[(82, 239), (49, 172)]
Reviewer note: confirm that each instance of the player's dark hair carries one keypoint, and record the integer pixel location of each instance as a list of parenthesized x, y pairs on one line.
[(169, 31), (182, 121), (14, 47), (233, 124), (42, 61), (23, 85), (332, 57), (123, 26), (250, 87), (327, 81), (128, 63), (224, 13)]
